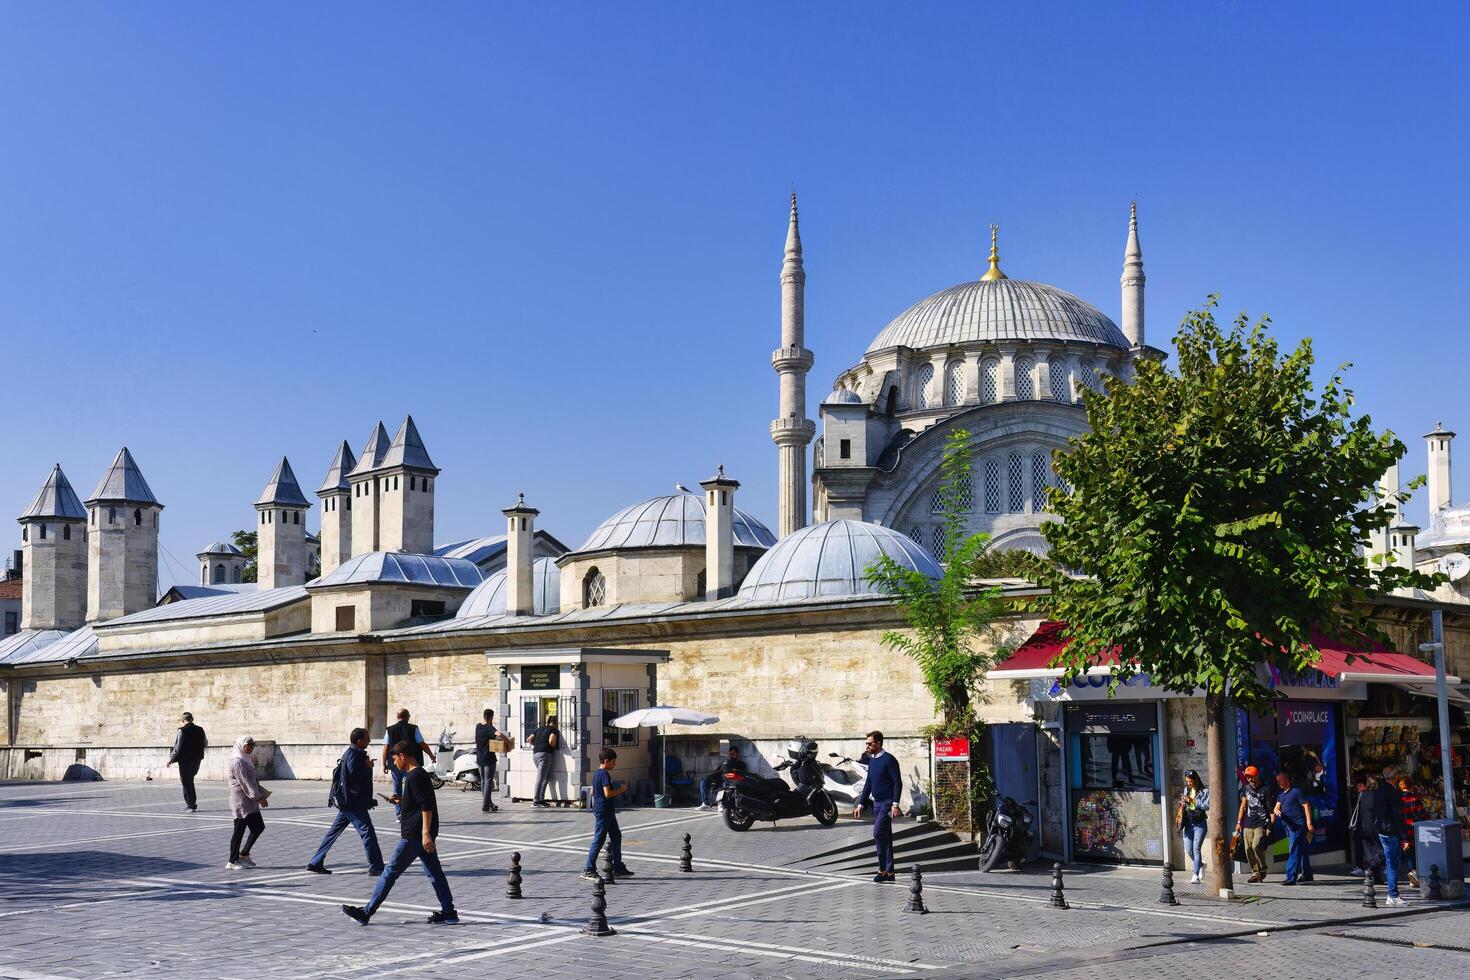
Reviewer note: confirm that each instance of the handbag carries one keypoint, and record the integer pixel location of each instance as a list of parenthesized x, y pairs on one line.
[(1237, 848)]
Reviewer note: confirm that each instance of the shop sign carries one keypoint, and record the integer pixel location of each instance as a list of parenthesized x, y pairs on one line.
[(540, 678), (1088, 687), (1304, 725), (1275, 678), (951, 748), (1142, 718)]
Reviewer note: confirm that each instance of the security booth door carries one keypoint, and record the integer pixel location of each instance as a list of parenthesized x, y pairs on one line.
[(1114, 782)]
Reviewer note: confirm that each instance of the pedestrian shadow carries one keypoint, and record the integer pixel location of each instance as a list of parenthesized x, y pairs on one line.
[(47, 869), (20, 802)]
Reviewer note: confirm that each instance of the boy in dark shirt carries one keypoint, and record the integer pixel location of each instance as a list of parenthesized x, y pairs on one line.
[(419, 825), (606, 827)]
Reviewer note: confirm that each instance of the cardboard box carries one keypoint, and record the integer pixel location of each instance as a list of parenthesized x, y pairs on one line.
[(502, 744)]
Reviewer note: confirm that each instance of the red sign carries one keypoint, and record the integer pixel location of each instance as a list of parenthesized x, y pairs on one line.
[(951, 748)]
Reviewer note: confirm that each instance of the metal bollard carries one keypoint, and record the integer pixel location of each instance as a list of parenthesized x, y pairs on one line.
[(916, 894), (513, 877), (1166, 896), (607, 867), (1058, 900), (686, 856), (597, 922), (1368, 901), (1436, 887)]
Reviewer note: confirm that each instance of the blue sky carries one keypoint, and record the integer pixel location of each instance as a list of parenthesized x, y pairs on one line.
[(552, 232)]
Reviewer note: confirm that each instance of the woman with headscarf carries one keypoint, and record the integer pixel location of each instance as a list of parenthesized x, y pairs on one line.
[(247, 796)]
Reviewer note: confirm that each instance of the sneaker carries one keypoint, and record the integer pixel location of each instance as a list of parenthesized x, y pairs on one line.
[(1358, 872), (1253, 879), (1414, 878), (541, 804), (1395, 902), (494, 808), (232, 866), (1194, 879), (355, 913), (191, 809), (591, 875), (1289, 881), (246, 860), (622, 872), (880, 878), (450, 918), (319, 869)]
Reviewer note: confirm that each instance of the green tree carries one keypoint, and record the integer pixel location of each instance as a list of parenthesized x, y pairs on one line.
[(1216, 514), (248, 543)]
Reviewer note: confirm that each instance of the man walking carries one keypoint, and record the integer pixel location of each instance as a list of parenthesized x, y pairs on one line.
[(604, 814), (352, 795), (1295, 814), (418, 823), (710, 784), (1254, 818), (882, 788), (188, 752), (403, 731), (485, 759), (544, 744)]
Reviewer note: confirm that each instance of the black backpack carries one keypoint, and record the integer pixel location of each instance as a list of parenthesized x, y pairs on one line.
[(334, 795)]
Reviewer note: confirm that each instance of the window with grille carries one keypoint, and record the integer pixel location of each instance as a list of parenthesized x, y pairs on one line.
[(1038, 482), (1025, 388), (990, 381), (954, 384), (992, 486), (1059, 387), (922, 380), (594, 589), (1017, 474), (917, 533), (936, 501), (965, 497), (615, 704), (936, 539), (1089, 375)]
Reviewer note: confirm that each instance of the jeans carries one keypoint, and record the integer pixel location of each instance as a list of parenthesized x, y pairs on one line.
[(487, 785), (1194, 842), (397, 776), (1391, 848), (1255, 849), (187, 772), (709, 786), (605, 828), (256, 823), (883, 834), (362, 822), (403, 856), (544, 762), (1298, 865)]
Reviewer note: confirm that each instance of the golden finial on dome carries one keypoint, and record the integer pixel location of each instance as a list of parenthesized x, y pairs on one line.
[(993, 273)]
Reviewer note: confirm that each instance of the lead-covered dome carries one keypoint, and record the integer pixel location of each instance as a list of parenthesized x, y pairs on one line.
[(832, 559), (997, 310), (488, 598), (671, 522)]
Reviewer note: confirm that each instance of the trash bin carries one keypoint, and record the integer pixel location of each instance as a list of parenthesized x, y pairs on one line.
[(1437, 842)]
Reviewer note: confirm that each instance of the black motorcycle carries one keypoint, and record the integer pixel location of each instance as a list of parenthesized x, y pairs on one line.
[(746, 798), (1007, 834)]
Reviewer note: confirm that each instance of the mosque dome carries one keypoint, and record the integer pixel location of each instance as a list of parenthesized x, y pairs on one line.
[(403, 568), (671, 522), (831, 559), (843, 396), (223, 548), (995, 310), (488, 598)]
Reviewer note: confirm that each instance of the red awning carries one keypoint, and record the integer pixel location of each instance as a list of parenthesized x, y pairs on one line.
[(1370, 661)]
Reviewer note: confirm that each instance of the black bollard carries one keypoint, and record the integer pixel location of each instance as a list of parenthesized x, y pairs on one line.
[(1368, 901), (916, 894), (686, 856), (513, 877), (1166, 896), (1436, 890), (1058, 900), (597, 923), (607, 867)]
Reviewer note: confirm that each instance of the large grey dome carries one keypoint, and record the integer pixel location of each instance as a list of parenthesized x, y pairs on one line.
[(1001, 309), (671, 522), (831, 559), (488, 598)]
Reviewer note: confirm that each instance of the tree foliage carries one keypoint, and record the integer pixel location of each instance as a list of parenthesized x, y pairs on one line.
[(248, 543)]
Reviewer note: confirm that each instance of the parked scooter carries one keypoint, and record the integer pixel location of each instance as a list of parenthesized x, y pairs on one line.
[(745, 798), (450, 767), (844, 781), (1007, 834)]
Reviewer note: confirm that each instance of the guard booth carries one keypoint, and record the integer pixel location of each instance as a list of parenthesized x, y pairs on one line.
[(585, 688)]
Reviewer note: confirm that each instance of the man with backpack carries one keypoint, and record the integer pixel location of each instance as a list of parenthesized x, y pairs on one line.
[(352, 795)]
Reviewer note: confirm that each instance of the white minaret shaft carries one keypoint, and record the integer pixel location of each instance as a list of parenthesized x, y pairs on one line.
[(719, 535), (793, 431), (1133, 283), (1438, 444), (520, 558)]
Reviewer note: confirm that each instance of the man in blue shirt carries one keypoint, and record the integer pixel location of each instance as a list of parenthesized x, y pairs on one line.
[(882, 788), (352, 795), (1295, 813), (605, 828)]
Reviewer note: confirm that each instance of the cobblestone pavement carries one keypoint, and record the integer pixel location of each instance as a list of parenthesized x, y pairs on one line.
[(114, 879)]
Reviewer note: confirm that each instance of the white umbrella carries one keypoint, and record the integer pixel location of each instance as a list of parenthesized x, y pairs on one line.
[(663, 714)]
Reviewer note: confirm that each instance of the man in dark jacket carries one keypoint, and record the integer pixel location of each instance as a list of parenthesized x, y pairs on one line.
[(883, 788), (485, 759), (188, 752), (403, 730), (352, 795)]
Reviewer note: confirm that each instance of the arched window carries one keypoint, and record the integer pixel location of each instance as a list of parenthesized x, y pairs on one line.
[(112, 515), (43, 532), (990, 381), (1088, 371), (1060, 390), (992, 486), (1016, 473), (954, 383), (1025, 379), (1038, 483), (936, 541), (66, 532), (594, 589), (917, 533), (137, 518), (923, 380), (235, 575), (936, 501), (700, 584), (219, 574), (296, 517)]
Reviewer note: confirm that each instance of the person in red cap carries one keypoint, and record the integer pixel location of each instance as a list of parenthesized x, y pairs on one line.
[(1254, 820)]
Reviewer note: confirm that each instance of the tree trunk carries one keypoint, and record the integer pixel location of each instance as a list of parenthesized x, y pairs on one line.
[(1219, 824)]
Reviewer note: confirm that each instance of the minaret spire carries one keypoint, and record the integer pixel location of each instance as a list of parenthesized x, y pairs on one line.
[(792, 432), (993, 273), (1133, 279)]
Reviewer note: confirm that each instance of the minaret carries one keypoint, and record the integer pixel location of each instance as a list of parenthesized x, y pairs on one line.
[(1381, 540), (53, 592), (122, 542), (406, 506), (335, 493), (719, 535), (1440, 492), (793, 431), (1133, 282), (367, 489), (280, 557), (520, 558)]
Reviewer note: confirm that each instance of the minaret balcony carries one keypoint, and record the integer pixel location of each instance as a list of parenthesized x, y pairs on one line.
[(793, 431), (792, 359)]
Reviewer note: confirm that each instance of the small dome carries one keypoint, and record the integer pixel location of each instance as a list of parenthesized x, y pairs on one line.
[(1449, 530), (404, 568), (831, 560), (843, 396), (671, 522), (1003, 309), (488, 599), (223, 548)]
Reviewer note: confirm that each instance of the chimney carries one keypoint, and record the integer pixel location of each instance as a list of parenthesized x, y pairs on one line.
[(1438, 443), (1401, 538), (719, 535), (520, 546)]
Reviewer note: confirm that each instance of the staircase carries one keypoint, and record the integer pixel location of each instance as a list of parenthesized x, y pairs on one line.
[(926, 844)]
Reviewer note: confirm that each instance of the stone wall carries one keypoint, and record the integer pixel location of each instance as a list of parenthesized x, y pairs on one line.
[(146, 762)]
